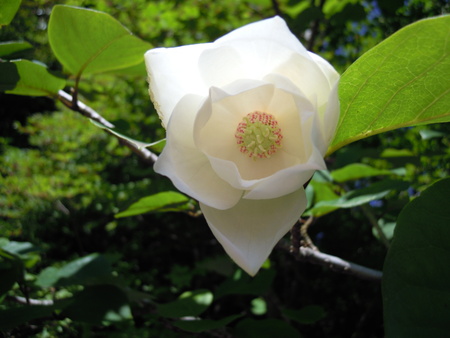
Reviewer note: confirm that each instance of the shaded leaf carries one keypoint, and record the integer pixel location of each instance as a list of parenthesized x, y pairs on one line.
[(416, 274), (23, 77), (204, 324), (403, 81), (99, 304), (356, 171), (91, 269), (306, 315), (88, 41), (242, 284), (190, 303), (160, 202), (266, 328), (11, 270)]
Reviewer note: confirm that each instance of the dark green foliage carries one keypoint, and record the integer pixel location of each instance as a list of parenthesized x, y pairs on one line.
[(64, 180)]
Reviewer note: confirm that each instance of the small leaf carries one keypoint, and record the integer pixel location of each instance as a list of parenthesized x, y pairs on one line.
[(356, 171), (8, 11), (13, 49), (416, 274), (403, 81), (190, 303), (88, 41), (160, 202), (23, 77), (201, 325)]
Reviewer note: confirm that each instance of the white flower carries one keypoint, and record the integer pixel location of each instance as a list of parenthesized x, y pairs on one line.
[(249, 119)]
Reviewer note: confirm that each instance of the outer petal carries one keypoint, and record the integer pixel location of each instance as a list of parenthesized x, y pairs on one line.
[(330, 73), (187, 167), (173, 73), (249, 231)]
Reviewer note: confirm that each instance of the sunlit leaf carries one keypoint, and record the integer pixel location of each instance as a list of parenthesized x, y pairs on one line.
[(13, 49), (88, 41), (23, 77), (8, 11), (416, 274), (403, 81)]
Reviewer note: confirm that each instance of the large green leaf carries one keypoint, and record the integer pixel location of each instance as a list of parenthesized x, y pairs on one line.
[(190, 303), (403, 81), (88, 41), (8, 11), (356, 171), (23, 77), (416, 274)]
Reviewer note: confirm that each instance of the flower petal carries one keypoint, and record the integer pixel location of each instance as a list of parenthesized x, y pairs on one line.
[(173, 73), (187, 167), (249, 231)]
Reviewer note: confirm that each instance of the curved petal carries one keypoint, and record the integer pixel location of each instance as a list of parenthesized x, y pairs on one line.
[(187, 167), (330, 73), (249, 231), (173, 73)]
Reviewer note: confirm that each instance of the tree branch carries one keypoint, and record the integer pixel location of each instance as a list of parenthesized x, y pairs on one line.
[(30, 301), (338, 264), (87, 111)]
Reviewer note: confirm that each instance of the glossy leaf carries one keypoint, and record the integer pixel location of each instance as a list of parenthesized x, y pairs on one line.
[(356, 171), (88, 41), (201, 325), (190, 303), (13, 49), (403, 81), (23, 77), (416, 274), (8, 11), (357, 197), (160, 202)]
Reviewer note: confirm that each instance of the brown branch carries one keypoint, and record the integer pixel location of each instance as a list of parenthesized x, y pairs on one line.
[(315, 28), (87, 111)]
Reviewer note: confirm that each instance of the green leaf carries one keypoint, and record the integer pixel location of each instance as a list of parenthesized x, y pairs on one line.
[(99, 304), (13, 49), (23, 77), (201, 325), (358, 197), (190, 303), (403, 81), (8, 11), (356, 171), (88, 41), (306, 315), (160, 202), (91, 269), (267, 328), (416, 274)]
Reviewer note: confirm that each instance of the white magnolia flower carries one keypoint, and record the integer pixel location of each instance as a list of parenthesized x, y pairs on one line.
[(248, 119)]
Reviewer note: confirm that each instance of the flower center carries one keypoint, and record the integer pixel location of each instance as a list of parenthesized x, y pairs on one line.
[(258, 135)]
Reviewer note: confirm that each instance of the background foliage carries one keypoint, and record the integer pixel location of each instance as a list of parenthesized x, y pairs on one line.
[(63, 181)]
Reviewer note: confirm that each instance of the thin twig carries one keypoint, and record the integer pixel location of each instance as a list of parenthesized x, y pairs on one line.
[(306, 241), (315, 29), (276, 8), (87, 111), (338, 264)]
